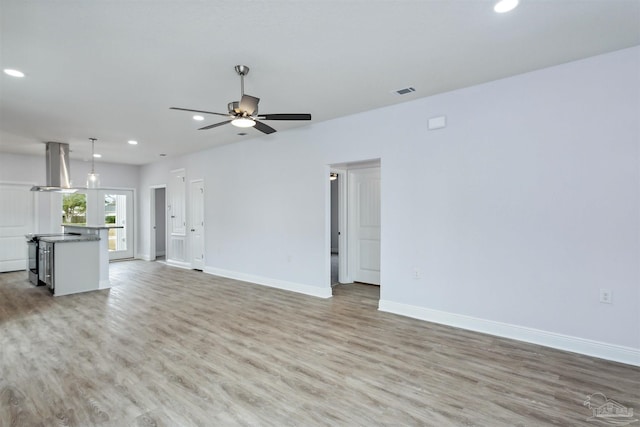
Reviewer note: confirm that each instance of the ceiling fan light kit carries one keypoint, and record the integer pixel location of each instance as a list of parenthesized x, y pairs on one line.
[(244, 113), (243, 122), (504, 6)]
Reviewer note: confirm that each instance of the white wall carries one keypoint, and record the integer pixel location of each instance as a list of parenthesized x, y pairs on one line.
[(516, 213)]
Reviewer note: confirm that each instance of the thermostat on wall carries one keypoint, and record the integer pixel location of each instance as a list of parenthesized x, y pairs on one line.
[(437, 122)]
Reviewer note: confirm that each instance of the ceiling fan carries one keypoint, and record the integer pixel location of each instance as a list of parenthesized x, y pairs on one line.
[(244, 114)]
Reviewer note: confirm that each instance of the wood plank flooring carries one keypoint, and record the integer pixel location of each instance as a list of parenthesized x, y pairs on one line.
[(172, 347)]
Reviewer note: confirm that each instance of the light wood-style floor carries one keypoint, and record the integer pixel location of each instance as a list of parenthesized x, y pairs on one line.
[(172, 347)]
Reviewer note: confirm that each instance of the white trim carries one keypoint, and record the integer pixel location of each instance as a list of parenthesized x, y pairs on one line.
[(104, 284), (327, 226), (189, 219), (179, 264), (616, 353), (315, 291), (344, 275)]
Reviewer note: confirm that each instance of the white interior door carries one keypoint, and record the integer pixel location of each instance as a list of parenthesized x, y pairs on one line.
[(16, 220), (196, 223), (364, 225)]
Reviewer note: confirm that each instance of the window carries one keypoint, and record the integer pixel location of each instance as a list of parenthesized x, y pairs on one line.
[(74, 208)]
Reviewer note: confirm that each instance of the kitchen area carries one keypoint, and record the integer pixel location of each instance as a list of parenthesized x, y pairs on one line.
[(76, 259)]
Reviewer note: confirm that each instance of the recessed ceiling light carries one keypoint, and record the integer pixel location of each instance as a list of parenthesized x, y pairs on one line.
[(132, 142), (97, 156), (505, 6), (13, 73), (198, 118)]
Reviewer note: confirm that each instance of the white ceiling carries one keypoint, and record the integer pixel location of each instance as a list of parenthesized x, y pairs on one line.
[(112, 69)]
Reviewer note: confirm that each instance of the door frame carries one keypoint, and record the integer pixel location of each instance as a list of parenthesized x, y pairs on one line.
[(345, 267), (344, 275), (190, 218), (152, 222)]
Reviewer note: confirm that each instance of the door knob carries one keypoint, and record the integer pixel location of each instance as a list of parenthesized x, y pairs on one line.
[(193, 229)]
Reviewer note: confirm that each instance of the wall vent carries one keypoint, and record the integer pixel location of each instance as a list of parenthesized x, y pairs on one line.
[(404, 91)]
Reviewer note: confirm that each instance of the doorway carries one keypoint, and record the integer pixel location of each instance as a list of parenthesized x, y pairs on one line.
[(354, 209), (334, 178), (158, 231), (118, 211)]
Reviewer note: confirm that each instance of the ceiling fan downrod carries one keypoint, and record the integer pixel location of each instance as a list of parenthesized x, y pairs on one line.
[(242, 71)]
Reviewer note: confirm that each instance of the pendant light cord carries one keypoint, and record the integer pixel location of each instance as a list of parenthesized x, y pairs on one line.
[(93, 140)]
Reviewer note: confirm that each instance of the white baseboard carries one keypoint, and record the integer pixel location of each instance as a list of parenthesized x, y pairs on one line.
[(616, 353), (147, 257), (272, 283), (179, 264)]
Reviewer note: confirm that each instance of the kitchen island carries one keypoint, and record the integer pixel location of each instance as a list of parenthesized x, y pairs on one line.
[(69, 263), (101, 231)]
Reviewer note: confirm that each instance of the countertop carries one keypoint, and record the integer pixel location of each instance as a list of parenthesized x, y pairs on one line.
[(70, 238), (92, 227)]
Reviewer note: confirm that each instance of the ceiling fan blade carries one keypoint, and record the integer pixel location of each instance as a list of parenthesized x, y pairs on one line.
[(249, 104), (198, 111), (285, 116), (215, 125), (264, 128)]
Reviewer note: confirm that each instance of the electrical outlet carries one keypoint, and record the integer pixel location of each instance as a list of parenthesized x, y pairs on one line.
[(416, 273), (606, 296)]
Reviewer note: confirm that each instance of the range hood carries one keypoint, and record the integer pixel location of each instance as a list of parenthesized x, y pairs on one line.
[(58, 172)]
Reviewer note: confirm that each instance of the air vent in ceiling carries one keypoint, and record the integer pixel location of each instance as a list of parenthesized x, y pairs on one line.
[(404, 91)]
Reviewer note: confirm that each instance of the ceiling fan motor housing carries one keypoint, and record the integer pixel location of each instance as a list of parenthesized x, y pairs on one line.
[(234, 108)]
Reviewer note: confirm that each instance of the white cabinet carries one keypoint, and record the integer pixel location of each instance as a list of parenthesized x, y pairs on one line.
[(102, 232)]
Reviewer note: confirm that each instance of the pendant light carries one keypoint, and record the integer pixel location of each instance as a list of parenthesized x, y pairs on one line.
[(93, 179)]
